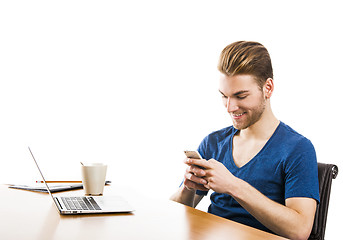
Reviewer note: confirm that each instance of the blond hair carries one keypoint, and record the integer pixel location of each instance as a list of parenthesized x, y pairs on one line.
[(245, 57)]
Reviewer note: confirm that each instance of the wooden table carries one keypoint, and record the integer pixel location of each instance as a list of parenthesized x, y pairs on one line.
[(30, 215)]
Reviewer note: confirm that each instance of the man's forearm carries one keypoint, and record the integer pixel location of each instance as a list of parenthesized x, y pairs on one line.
[(280, 219), (184, 196)]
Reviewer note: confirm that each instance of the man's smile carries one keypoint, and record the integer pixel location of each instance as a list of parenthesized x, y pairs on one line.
[(237, 115)]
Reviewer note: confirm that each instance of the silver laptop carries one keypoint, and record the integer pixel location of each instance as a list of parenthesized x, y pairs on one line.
[(87, 204)]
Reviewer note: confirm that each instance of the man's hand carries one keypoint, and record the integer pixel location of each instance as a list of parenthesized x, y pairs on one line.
[(194, 176), (217, 176), (193, 181)]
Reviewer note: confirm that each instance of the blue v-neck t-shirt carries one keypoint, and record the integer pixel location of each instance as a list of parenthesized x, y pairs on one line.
[(285, 167)]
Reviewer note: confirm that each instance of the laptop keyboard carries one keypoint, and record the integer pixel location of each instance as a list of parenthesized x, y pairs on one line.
[(80, 203)]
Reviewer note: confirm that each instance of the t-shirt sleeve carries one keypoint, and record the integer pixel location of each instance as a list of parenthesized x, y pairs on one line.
[(301, 172)]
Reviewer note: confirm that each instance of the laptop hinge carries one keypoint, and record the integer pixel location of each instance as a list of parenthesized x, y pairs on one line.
[(56, 199)]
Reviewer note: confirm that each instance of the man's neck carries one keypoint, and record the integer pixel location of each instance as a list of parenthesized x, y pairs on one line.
[(263, 129)]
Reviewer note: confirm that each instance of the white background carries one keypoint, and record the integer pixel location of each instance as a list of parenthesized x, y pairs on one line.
[(134, 83)]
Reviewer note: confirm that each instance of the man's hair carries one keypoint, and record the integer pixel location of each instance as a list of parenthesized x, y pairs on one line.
[(245, 57)]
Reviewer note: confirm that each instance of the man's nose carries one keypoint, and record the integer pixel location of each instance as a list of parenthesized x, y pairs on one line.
[(231, 105)]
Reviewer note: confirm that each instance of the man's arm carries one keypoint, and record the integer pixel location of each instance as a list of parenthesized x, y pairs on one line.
[(294, 220), (186, 196)]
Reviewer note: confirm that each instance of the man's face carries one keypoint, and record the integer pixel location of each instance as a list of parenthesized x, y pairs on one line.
[(243, 99)]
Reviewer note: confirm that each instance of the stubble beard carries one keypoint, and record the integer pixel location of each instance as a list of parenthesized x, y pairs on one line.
[(256, 115)]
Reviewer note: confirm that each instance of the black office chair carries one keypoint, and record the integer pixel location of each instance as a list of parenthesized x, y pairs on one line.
[(326, 172)]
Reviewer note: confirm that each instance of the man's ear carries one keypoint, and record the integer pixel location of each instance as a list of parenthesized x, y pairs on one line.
[(268, 88)]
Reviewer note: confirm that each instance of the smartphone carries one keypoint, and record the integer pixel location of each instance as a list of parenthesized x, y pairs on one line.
[(193, 154)]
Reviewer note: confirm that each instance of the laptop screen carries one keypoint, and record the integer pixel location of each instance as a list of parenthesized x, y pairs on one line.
[(47, 187)]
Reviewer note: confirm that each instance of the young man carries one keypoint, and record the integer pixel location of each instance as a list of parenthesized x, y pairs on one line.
[(262, 172)]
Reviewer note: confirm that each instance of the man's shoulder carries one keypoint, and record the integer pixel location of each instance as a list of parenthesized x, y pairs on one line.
[(292, 139), (222, 133), (291, 133), (214, 141)]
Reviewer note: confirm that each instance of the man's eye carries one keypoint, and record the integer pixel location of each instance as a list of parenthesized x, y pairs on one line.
[(241, 97)]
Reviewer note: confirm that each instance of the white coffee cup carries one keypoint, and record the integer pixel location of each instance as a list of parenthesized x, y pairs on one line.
[(93, 178)]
